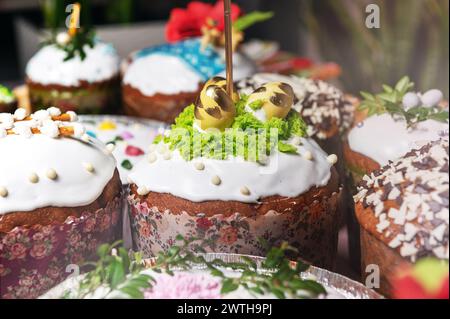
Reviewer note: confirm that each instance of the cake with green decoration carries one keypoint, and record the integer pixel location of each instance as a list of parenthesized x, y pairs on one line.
[(235, 171), (75, 73), (8, 101)]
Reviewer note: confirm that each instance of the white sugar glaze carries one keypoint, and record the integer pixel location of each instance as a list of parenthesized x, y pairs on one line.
[(384, 139), (285, 175), (47, 66), (161, 73), (165, 74), (21, 157), (137, 135)]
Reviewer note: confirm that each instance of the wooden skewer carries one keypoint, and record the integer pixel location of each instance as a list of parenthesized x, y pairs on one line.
[(228, 47)]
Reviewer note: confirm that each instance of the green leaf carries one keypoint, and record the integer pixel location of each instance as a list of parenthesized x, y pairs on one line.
[(228, 285), (250, 19), (287, 148), (117, 274), (133, 292)]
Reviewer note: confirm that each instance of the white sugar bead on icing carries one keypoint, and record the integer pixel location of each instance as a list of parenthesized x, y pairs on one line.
[(89, 167), (51, 174), (216, 180), (3, 191), (33, 178), (332, 159)]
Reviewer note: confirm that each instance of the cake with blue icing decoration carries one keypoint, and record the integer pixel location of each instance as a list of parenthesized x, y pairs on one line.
[(159, 81)]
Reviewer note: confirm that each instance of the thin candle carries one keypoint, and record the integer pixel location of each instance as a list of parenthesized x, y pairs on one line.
[(74, 19)]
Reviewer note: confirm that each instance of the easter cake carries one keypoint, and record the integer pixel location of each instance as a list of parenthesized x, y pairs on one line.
[(60, 197), (223, 175), (403, 212), (75, 73)]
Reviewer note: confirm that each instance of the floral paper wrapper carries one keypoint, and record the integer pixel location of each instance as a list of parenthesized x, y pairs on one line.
[(313, 231), (34, 259)]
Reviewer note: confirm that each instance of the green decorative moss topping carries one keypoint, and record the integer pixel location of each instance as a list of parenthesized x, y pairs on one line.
[(248, 137), (6, 96)]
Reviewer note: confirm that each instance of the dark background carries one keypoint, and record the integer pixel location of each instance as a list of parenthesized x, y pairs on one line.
[(413, 38)]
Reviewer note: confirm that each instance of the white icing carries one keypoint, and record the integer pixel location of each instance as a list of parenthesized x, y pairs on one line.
[(166, 74), (22, 157), (284, 174), (142, 137), (161, 73), (47, 66), (384, 139)]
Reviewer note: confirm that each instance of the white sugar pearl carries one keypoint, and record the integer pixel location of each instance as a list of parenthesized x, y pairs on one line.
[(308, 155), (152, 148), (142, 190), (245, 191), (51, 174), (89, 167), (54, 111), (332, 159), (20, 114), (199, 166), (3, 191), (410, 100), (432, 98), (167, 155), (162, 148), (216, 180), (73, 116), (110, 147), (152, 158), (62, 38), (33, 178)]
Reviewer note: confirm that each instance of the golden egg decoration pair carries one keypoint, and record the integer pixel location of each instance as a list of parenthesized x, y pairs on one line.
[(215, 109)]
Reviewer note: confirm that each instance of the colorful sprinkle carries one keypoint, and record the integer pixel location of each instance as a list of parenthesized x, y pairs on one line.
[(133, 151), (126, 164), (107, 126), (126, 135)]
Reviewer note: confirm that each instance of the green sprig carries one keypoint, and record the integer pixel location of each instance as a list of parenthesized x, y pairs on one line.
[(275, 275), (391, 101), (250, 19), (76, 44)]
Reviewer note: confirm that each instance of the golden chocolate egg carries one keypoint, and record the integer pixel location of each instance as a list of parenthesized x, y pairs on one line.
[(275, 98), (214, 107), (222, 82)]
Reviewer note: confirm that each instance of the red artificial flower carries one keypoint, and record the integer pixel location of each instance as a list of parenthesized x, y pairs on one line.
[(188, 23)]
